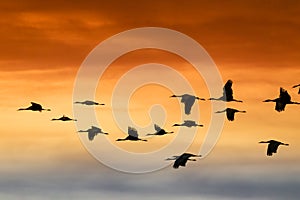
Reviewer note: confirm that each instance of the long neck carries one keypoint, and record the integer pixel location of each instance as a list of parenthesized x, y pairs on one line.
[(270, 100), (169, 132), (177, 125), (22, 109), (217, 99), (237, 100), (121, 139), (292, 102), (151, 134), (46, 109)]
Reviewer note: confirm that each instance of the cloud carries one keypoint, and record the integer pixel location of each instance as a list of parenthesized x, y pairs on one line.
[(203, 182)]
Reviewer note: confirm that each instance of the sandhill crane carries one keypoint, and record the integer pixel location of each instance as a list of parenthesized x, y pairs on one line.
[(297, 86), (189, 124), (188, 101), (88, 103), (92, 132), (132, 135), (181, 160), (283, 99), (159, 131), (273, 146), (230, 112), (34, 107), (227, 93), (64, 118)]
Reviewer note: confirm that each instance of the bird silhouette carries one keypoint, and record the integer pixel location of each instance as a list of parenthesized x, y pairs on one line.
[(132, 135), (159, 131), (230, 112), (297, 86), (92, 132), (34, 107), (227, 93), (88, 103), (283, 99), (182, 160), (273, 146), (188, 101), (64, 118), (189, 124)]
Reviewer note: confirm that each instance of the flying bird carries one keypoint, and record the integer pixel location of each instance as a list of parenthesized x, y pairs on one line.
[(189, 124), (159, 131), (227, 93), (230, 112), (92, 132), (283, 99), (132, 135), (297, 86), (182, 160), (273, 146), (88, 103), (188, 101), (34, 107), (64, 118)]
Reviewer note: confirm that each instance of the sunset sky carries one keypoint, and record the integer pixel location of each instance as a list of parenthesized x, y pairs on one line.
[(44, 44)]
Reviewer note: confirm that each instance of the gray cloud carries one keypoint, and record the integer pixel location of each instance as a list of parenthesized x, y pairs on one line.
[(202, 182)]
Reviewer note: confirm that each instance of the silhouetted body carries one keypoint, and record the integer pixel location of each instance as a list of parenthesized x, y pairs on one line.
[(189, 124), (159, 131), (132, 135), (283, 99), (188, 101), (297, 86), (273, 146), (92, 132), (227, 93), (182, 160), (230, 112), (34, 107), (64, 118), (88, 103)]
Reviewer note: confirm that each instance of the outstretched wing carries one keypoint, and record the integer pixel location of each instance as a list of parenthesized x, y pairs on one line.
[(36, 105), (272, 148), (227, 90), (181, 160), (230, 114), (156, 127), (132, 132), (188, 103), (91, 135), (284, 95), (280, 105)]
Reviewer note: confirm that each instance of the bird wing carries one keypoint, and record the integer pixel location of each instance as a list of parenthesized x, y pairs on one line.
[(181, 160), (230, 114), (227, 90), (36, 105), (156, 127), (272, 147), (189, 122), (96, 129), (280, 105), (284, 95), (132, 132), (91, 135), (188, 103)]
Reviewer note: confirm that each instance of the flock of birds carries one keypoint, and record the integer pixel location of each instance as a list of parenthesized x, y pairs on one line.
[(188, 101)]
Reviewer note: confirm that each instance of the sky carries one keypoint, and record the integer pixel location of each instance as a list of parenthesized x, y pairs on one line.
[(44, 46)]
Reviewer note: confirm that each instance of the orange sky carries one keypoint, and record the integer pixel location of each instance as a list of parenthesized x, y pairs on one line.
[(254, 43)]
